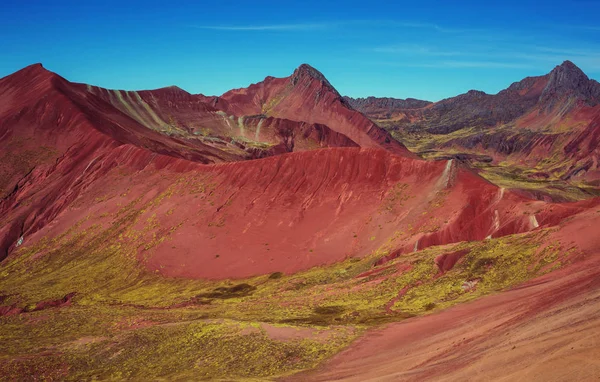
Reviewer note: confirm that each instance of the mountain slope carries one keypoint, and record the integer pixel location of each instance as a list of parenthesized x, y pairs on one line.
[(176, 113)]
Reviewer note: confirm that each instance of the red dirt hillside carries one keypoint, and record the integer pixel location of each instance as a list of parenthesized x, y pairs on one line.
[(56, 137), (545, 330), (60, 132)]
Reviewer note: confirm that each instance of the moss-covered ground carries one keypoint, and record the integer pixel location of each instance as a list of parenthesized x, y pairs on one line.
[(542, 176)]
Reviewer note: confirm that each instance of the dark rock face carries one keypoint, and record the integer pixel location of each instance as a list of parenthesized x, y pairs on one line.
[(586, 142), (568, 80), (385, 104), (307, 70), (478, 109), (504, 142)]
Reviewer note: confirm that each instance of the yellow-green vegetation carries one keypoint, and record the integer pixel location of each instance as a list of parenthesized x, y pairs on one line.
[(117, 345), (489, 266), (396, 197), (543, 175), (247, 142), (511, 177), (422, 141), (128, 323)]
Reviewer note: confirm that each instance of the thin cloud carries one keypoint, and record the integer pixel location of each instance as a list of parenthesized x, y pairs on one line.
[(484, 64), (516, 55), (583, 27), (421, 25), (418, 50), (461, 65), (577, 52), (328, 25), (411, 24), (585, 58), (272, 27)]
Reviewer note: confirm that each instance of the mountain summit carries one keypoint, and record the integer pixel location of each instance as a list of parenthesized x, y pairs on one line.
[(568, 80), (308, 70)]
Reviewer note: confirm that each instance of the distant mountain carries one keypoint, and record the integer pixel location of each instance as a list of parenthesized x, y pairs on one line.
[(567, 80), (565, 84), (532, 123), (385, 107)]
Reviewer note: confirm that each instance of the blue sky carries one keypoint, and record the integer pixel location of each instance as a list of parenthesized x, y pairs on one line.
[(427, 49)]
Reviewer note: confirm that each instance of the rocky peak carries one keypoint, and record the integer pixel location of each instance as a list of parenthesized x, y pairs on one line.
[(33, 77), (476, 93), (305, 74), (35, 67), (568, 80), (175, 88), (306, 71), (31, 71), (567, 76)]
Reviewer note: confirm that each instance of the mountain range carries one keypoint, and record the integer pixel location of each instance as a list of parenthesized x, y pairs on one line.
[(538, 128), (284, 222)]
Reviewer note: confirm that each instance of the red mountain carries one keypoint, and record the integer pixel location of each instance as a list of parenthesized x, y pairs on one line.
[(564, 88), (306, 96)]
